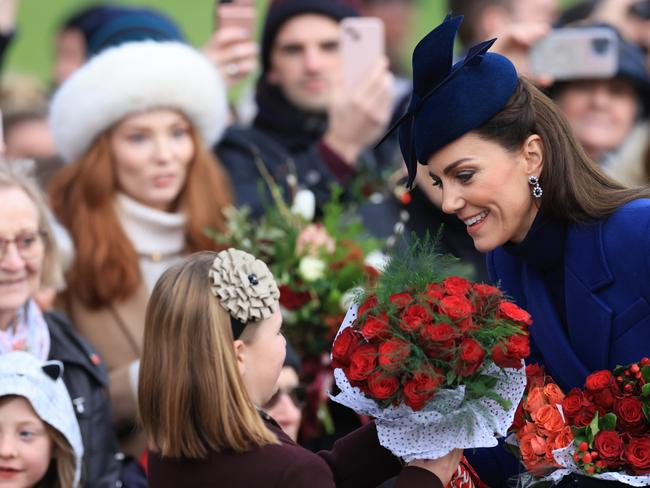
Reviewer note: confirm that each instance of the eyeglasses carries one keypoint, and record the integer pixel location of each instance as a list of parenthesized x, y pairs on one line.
[(28, 244), (297, 394)]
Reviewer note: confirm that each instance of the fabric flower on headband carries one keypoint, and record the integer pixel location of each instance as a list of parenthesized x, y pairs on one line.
[(244, 285)]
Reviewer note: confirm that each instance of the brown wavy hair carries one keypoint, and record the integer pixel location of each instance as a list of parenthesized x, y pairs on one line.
[(575, 188), (105, 267)]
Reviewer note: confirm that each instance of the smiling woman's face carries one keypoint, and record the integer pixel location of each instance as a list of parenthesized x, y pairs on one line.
[(152, 152), (487, 187)]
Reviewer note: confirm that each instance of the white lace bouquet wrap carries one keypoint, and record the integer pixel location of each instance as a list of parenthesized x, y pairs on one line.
[(564, 457), (448, 421)]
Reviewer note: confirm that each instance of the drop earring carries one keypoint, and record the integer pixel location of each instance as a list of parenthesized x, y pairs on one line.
[(534, 182)]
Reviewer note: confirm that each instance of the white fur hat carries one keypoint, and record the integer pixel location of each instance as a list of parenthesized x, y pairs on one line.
[(40, 383), (135, 77)]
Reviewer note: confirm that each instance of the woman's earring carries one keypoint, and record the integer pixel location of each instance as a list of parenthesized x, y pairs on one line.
[(534, 182)]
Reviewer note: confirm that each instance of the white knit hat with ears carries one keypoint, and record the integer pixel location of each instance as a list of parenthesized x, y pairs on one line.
[(40, 383), (135, 77)]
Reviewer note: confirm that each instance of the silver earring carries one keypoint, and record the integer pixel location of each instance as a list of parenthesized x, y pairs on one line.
[(534, 182)]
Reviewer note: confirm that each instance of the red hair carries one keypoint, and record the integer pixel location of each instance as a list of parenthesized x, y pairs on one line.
[(106, 267)]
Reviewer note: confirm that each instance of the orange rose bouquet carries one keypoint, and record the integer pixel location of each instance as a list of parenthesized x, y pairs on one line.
[(437, 360)]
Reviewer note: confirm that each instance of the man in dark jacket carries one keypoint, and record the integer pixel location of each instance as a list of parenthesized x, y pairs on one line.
[(308, 125)]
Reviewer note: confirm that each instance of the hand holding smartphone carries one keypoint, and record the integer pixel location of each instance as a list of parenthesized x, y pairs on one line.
[(236, 13), (362, 46)]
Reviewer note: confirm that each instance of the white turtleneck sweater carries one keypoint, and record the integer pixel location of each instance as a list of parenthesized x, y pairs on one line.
[(158, 237)]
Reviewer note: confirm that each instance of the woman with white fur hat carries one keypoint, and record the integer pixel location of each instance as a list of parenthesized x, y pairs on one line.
[(134, 126)]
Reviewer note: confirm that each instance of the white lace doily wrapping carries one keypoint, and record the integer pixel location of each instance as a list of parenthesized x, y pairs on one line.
[(447, 422), (564, 457)]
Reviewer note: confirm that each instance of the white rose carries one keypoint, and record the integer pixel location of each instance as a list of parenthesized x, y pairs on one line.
[(377, 260), (311, 268), (304, 204)]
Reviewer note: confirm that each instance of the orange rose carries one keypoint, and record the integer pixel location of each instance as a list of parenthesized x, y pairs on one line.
[(564, 438), (535, 400), (548, 418), (532, 447), (554, 394)]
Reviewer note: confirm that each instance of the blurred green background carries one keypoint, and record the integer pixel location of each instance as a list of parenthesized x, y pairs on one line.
[(38, 20)]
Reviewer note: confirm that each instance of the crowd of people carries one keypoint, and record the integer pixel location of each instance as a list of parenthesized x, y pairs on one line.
[(124, 360)]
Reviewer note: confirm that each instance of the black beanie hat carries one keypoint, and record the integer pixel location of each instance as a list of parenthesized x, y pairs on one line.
[(282, 10)]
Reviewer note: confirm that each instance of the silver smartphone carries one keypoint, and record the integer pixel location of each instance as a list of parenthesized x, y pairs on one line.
[(576, 53)]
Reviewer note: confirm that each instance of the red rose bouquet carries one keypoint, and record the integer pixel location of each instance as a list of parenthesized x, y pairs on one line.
[(539, 426), (436, 359), (610, 419)]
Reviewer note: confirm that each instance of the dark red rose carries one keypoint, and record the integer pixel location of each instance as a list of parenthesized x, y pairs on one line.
[(382, 386), (370, 303), (434, 293), (441, 350), (363, 362), (609, 445), (629, 415), (470, 357), (572, 403), (393, 353), (455, 285), (585, 415), (637, 454), (343, 347), (292, 300), (414, 317), (599, 381), (603, 398), (401, 300), (508, 310), (456, 308), (534, 376), (376, 327), (421, 387), (509, 354)]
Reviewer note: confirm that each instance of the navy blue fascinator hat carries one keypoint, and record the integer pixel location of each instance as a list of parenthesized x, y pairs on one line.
[(450, 99)]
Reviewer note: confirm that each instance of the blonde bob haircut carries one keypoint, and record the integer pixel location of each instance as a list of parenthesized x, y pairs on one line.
[(17, 175), (191, 395)]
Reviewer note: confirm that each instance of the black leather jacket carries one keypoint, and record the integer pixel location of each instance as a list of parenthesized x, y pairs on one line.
[(86, 379)]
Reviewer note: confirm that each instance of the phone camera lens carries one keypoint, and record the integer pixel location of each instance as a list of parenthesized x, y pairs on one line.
[(600, 46)]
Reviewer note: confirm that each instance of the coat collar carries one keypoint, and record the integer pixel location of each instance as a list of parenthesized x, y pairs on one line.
[(585, 255)]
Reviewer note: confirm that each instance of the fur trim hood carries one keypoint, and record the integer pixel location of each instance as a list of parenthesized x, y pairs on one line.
[(135, 77)]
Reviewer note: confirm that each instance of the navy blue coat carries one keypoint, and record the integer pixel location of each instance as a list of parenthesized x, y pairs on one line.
[(607, 294), (607, 291)]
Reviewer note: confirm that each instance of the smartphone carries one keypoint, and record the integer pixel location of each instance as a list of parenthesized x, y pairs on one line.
[(576, 53), (235, 13), (362, 45)]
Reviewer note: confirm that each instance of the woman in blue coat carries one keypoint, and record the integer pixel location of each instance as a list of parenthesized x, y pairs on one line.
[(567, 242)]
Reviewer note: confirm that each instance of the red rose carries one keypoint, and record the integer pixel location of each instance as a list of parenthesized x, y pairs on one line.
[(508, 310), (455, 285), (434, 293), (599, 381), (534, 376), (509, 354), (376, 327), (363, 361), (456, 307), (370, 302), (585, 415), (440, 332), (572, 403), (637, 454), (292, 300), (603, 398), (485, 291), (401, 300), (470, 357), (609, 445), (414, 317), (421, 388), (629, 415), (343, 347), (382, 386), (393, 353)]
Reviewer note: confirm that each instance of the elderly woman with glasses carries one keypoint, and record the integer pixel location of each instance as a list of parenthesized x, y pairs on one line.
[(28, 261)]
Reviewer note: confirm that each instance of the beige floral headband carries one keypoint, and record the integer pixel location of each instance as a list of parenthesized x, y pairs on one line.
[(244, 285)]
